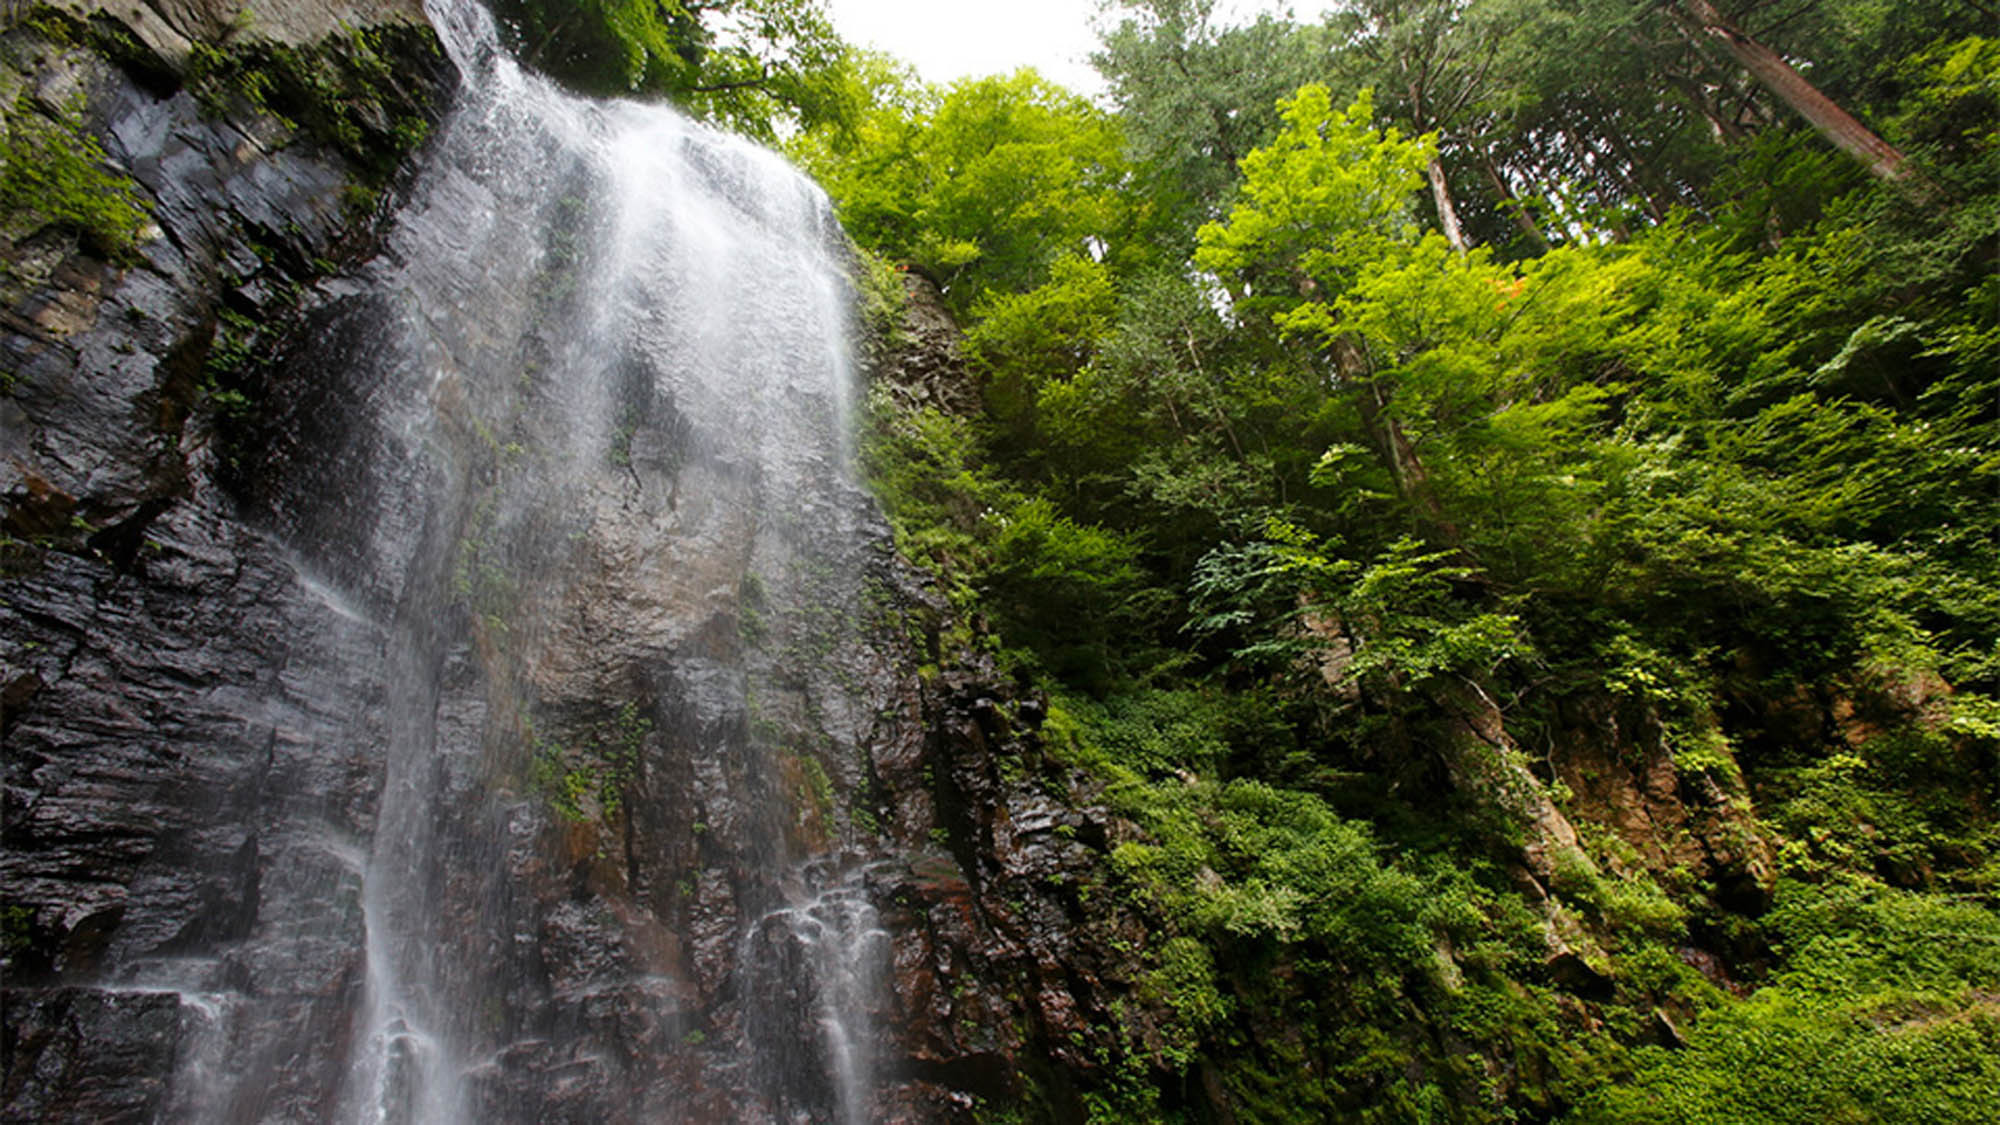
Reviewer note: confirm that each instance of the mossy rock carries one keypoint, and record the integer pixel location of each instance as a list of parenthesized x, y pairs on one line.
[(363, 93)]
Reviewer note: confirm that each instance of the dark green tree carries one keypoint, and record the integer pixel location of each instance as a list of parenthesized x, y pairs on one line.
[(1196, 96), (744, 63)]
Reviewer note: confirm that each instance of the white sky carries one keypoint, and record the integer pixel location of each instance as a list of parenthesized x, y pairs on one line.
[(950, 39)]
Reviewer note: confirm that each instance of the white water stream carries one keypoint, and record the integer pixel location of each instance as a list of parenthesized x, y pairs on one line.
[(579, 298)]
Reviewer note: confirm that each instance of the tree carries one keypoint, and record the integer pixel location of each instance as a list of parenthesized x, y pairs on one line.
[(1322, 203), (744, 63), (1196, 97), (983, 185), (1705, 23), (1326, 196), (1434, 59)]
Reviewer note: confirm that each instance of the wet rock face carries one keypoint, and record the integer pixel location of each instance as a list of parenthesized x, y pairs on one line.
[(1004, 973), (691, 800), (106, 419), (157, 654), (142, 849), (98, 1056), (170, 28)]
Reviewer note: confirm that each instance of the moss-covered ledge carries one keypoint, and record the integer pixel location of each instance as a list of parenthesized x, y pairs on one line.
[(171, 29), (359, 78), (168, 206)]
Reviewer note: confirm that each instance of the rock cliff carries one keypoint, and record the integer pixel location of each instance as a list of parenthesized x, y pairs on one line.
[(151, 637), (201, 670)]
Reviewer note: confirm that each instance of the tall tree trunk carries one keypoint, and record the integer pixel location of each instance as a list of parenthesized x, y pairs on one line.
[(1768, 67), (1447, 210), (1726, 131), (1597, 165), (1511, 206)]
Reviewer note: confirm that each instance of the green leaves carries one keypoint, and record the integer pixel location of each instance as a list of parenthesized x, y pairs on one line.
[(983, 186), (1884, 1013), (1391, 625), (1025, 345), (1328, 195), (747, 64), (1246, 860), (1197, 96), (53, 172)]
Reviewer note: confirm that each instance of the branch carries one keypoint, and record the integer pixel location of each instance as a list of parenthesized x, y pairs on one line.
[(725, 87)]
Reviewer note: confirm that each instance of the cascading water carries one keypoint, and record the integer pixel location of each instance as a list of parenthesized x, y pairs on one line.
[(582, 511), (834, 944)]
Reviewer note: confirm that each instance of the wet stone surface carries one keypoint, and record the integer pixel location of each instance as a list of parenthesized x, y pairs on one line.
[(674, 827), (181, 820)]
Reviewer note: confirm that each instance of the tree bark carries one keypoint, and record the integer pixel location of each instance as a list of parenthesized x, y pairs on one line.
[(1768, 67), (1447, 210), (1726, 131), (1511, 206)]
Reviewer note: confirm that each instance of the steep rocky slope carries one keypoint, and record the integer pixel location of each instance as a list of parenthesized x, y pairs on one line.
[(149, 634), (195, 759)]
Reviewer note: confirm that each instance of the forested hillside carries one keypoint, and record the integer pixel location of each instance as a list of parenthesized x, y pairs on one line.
[(1444, 569), (1501, 495)]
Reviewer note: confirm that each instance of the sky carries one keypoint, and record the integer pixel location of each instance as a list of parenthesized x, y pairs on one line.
[(949, 39)]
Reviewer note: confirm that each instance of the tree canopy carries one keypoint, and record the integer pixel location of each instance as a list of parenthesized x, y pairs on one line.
[(1402, 430), (745, 63)]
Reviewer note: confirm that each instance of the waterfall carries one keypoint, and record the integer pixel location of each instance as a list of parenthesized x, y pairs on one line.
[(831, 945), (583, 515)]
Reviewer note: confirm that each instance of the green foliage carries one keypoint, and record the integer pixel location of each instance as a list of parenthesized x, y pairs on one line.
[(1183, 983), (1684, 497), (1896, 805), (1955, 101), (1250, 861), (1157, 734), (1328, 195), (983, 185), (928, 472), (1173, 422), (747, 64), (1061, 583), (1196, 97), (17, 927), (53, 172), (884, 300), (1884, 1013), (1021, 342), (566, 787), (1057, 582)]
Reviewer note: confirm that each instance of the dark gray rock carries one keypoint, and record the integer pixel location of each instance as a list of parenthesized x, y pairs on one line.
[(181, 833), (202, 669)]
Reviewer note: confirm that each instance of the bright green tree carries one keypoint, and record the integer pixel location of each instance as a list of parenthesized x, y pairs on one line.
[(982, 186), (1328, 199), (1197, 96)]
